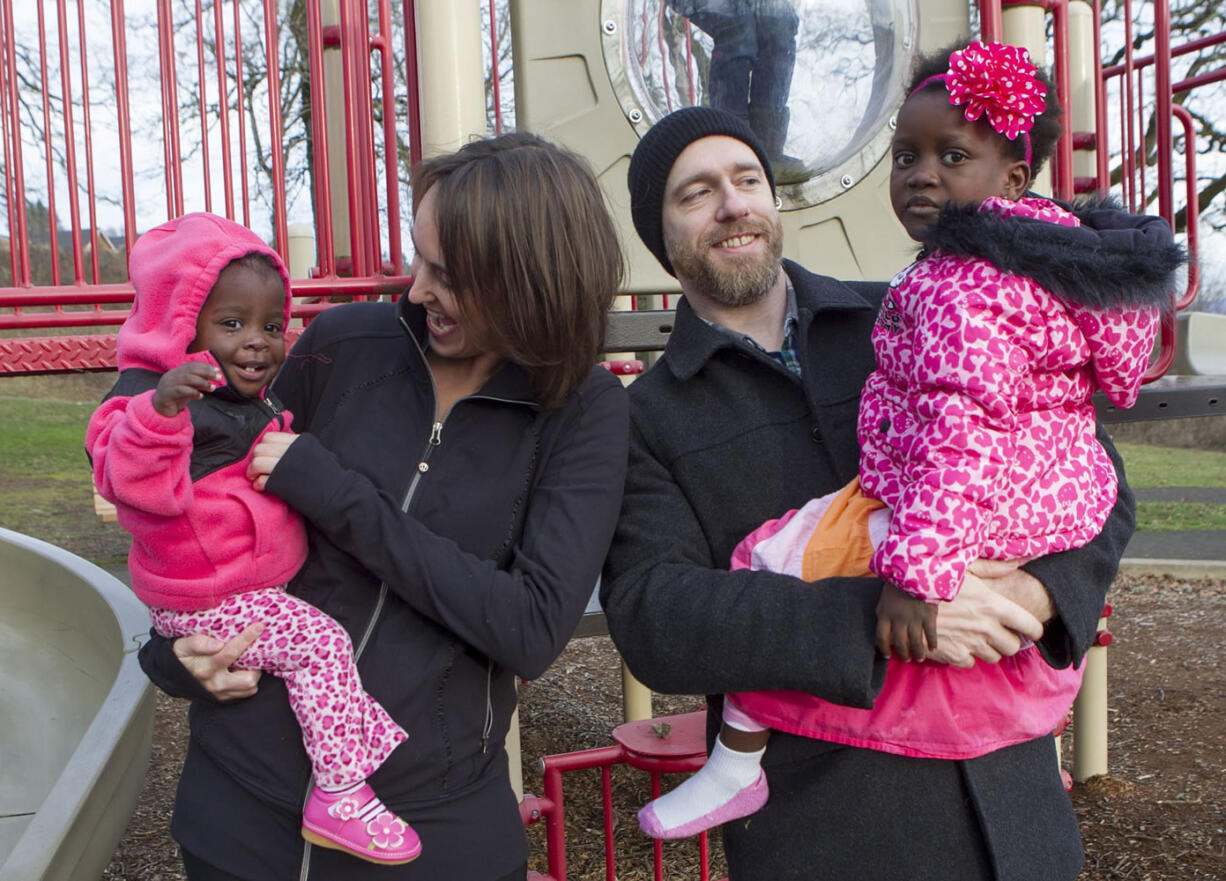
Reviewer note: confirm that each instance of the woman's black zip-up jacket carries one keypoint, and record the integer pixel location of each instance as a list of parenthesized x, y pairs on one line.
[(457, 554)]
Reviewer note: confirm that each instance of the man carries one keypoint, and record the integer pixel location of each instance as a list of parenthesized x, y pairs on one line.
[(750, 412)]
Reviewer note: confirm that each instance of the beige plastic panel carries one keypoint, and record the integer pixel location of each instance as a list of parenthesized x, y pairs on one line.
[(1080, 115), (563, 91), (1027, 26)]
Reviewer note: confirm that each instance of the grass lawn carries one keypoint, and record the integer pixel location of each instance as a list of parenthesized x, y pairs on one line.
[(45, 488), (1155, 467), (1152, 467)]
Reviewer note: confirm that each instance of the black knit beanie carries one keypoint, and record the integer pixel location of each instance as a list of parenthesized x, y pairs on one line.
[(654, 157)]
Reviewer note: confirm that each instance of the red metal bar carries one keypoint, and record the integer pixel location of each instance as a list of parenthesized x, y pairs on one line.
[(1204, 79), (124, 117), (66, 295), (657, 846), (70, 143), (606, 801), (551, 808), (1162, 110), (323, 174), (202, 100), (170, 111), (1192, 197), (1062, 167), (1101, 146), (122, 293), (19, 238), (48, 155), (275, 123), (242, 117), (391, 153), (223, 105), (87, 126), (1127, 118), (412, 75), (1176, 52), (991, 25), (60, 318), (353, 53), (1143, 159)]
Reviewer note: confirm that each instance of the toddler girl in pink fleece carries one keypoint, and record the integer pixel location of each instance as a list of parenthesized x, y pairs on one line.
[(977, 430), (170, 446)]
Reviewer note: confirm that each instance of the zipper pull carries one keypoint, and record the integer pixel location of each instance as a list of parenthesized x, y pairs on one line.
[(273, 410), (436, 434)]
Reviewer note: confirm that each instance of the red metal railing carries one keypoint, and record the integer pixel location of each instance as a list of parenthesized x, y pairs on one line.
[(1135, 114), (217, 114), (639, 745)]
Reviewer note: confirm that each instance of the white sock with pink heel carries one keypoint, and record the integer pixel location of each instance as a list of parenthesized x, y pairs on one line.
[(729, 786)]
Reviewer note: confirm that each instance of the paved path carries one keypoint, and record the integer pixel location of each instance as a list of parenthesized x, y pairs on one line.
[(1189, 554), (1208, 544), (1215, 495)]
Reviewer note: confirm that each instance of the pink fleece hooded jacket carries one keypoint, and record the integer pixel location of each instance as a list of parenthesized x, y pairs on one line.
[(193, 541)]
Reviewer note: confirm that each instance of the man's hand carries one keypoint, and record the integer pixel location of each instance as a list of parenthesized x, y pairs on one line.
[(209, 660), (981, 623), (906, 626), (181, 385), (266, 455), (1011, 582)]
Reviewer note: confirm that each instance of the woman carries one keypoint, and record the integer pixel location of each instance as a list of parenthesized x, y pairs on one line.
[(460, 467)]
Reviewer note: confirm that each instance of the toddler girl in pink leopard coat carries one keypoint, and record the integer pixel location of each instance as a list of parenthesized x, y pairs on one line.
[(170, 446), (977, 430)]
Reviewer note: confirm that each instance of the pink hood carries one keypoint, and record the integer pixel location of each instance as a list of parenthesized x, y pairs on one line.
[(173, 267)]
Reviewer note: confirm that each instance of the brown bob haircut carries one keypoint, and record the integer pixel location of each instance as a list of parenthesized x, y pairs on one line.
[(529, 246)]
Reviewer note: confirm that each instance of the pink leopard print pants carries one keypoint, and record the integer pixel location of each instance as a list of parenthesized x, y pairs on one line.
[(347, 734)]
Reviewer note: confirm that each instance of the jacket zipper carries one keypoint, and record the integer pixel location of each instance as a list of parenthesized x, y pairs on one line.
[(423, 465)]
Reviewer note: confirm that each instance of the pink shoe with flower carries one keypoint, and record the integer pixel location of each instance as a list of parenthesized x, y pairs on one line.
[(354, 820)]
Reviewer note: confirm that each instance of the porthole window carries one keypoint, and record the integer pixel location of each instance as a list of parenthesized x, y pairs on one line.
[(817, 80)]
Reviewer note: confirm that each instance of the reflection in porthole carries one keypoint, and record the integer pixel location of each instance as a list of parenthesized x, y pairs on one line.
[(817, 80)]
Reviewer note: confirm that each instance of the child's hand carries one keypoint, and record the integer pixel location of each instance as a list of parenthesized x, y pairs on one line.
[(266, 455), (906, 626), (186, 383)]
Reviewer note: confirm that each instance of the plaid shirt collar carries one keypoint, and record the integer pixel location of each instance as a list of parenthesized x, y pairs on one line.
[(787, 355)]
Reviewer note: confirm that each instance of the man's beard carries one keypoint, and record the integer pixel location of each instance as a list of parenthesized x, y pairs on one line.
[(737, 282)]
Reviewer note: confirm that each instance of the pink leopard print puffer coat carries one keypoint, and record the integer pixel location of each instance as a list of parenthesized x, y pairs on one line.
[(977, 428)]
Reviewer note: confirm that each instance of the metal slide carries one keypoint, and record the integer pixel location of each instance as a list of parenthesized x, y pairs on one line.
[(76, 712)]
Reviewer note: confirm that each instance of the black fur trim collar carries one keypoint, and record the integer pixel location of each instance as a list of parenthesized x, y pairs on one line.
[(1113, 259)]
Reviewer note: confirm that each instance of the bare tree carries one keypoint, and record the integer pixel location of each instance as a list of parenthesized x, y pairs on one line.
[(1190, 21)]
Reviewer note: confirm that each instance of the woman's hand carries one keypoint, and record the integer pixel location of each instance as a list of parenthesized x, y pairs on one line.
[(266, 455), (209, 660), (981, 623)]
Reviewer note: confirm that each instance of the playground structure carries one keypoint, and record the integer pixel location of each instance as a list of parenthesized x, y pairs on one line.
[(378, 85), (76, 716)]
